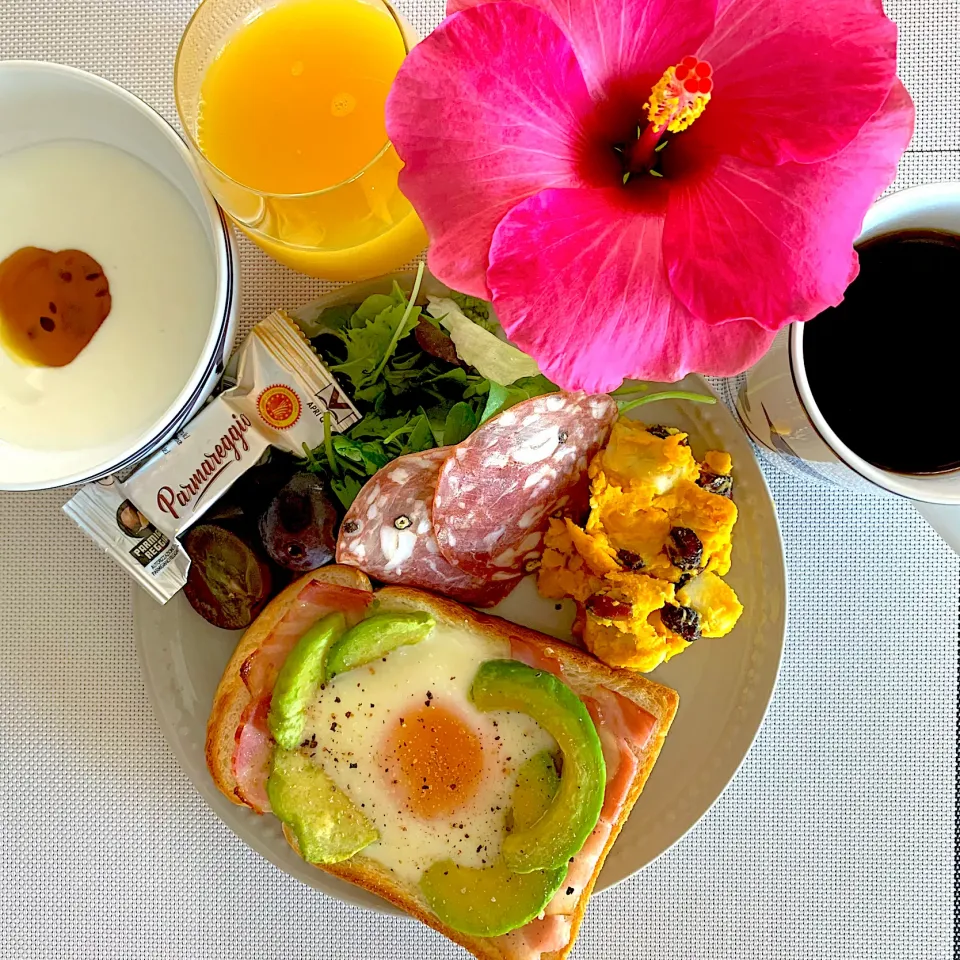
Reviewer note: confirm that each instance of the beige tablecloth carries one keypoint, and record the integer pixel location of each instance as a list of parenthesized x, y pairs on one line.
[(836, 840)]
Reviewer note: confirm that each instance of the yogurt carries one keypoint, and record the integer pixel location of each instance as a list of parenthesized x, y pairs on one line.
[(90, 197)]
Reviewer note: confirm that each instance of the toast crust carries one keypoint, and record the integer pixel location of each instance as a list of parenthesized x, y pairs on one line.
[(232, 696), (581, 672)]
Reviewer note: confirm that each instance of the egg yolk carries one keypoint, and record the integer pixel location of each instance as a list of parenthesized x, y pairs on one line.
[(432, 761)]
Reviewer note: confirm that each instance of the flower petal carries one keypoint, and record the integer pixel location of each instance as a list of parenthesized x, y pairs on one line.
[(792, 82), (578, 282), (484, 112), (776, 243), (621, 41)]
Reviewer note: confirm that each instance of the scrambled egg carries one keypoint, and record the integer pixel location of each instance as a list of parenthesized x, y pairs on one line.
[(646, 567)]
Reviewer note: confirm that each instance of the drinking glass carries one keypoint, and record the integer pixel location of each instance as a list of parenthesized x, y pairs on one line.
[(356, 229)]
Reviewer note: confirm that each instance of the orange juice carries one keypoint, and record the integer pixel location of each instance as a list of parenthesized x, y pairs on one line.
[(291, 116)]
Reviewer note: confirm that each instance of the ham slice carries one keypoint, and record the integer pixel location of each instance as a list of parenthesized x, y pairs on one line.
[(543, 935), (253, 752), (317, 599)]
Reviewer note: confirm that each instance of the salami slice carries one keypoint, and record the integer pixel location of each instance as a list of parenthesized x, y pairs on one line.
[(501, 484), (388, 533)]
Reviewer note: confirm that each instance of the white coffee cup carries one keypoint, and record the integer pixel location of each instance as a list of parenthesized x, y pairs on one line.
[(778, 410)]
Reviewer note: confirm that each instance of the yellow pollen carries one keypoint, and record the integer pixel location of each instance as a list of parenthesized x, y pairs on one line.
[(675, 102)]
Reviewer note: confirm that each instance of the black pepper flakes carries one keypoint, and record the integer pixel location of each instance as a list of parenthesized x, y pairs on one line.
[(569, 891)]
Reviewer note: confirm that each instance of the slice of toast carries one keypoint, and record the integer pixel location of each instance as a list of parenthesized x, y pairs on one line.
[(581, 672)]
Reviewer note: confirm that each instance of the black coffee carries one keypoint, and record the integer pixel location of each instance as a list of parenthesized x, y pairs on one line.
[(882, 366)]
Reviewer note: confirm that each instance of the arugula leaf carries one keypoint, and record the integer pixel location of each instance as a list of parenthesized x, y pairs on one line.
[(374, 305), (372, 427), (460, 423), (337, 317), (369, 347), (346, 489), (500, 398), (421, 437), (497, 397), (533, 386), (410, 312), (330, 320)]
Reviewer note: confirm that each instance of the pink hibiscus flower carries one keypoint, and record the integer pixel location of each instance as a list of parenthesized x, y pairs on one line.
[(646, 188)]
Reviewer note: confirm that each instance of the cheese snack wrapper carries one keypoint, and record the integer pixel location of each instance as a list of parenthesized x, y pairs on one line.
[(278, 393)]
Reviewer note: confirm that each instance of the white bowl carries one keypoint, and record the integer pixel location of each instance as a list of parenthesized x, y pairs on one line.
[(41, 102)]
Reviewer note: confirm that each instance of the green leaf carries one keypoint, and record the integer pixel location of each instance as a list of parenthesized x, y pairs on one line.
[(460, 423), (477, 346), (346, 489), (496, 401), (330, 320), (369, 347), (456, 375), (371, 393), (626, 405), (421, 437), (535, 386), (374, 456), (336, 318), (372, 307), (476, 309), (372, 427), (348, 448), (407, 320)]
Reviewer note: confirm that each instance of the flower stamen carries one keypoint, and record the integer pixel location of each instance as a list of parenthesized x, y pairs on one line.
[(680, 95), (676, 100)]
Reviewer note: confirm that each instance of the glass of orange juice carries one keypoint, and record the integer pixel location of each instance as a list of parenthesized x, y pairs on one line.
[(283, 102)]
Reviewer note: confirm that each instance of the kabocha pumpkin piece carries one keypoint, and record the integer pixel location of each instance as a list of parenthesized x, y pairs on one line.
[(645, 566)]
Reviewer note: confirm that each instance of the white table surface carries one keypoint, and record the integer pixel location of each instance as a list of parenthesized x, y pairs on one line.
[(837, 839)]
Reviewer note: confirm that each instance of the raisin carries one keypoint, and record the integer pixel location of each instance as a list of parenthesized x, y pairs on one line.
[(659, 430), (606, 608), (719, 483), (685, 549), (683, 621), (630, 560)]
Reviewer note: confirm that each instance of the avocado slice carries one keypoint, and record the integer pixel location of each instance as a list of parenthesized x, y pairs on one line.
[(564, 827), (375, 637), (489, 901), (327, 825), (302, 672), (537, 784)]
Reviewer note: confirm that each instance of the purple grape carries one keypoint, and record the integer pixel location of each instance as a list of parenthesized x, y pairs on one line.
[(298, 527)]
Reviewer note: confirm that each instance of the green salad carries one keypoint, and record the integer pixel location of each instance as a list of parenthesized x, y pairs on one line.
[(411, 380)]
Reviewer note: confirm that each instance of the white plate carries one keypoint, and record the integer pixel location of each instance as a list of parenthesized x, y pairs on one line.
[(724, 685)]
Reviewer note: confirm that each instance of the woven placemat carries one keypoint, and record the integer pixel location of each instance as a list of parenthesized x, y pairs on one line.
[(835, 840)]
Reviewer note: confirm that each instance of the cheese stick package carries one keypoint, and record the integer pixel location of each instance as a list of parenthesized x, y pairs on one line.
[(278, 393), (157, 563)]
